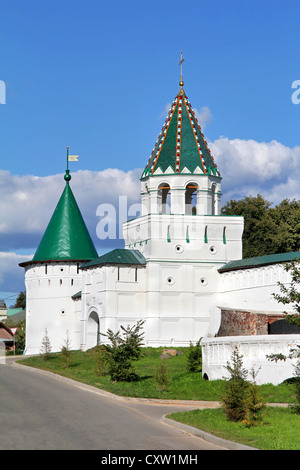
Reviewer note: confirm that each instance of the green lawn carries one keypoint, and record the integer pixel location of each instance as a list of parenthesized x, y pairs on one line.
[(183, 385), (280, 430)]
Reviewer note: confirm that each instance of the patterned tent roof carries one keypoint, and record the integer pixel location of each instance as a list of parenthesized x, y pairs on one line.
[(181, 146)]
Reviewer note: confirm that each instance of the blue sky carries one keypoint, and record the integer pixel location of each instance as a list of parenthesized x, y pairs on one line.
[(97, 76)]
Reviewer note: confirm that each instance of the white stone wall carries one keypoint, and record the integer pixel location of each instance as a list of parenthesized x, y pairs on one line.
[(253, 288), (216, 352)]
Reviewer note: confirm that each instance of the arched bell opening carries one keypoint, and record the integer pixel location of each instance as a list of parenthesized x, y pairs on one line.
[(191, 198), (164, 198)]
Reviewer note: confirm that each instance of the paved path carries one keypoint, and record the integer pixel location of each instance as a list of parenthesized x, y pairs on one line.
[(41, 410)]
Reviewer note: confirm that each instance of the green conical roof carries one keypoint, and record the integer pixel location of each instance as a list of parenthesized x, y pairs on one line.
[(66, 237), (181, 146)]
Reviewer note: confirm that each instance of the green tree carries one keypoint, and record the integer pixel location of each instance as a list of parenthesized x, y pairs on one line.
[(255, 406), (287, 219), (21, 300), (20, 336), (234, 399), (123, 350), (194, 357), (267, 229)]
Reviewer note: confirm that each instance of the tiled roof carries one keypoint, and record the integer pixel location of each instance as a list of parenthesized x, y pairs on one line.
[(258, 261), (181, 146), (117, 256)]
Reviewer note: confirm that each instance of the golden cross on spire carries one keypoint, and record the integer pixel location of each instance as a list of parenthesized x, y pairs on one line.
[(181, 79)]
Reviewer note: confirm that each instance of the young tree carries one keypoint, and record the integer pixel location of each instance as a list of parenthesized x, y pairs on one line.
[(66, 351), (194, 357), (45, 350), (234, 399), (161, 375), (123, 350), (255, 406)]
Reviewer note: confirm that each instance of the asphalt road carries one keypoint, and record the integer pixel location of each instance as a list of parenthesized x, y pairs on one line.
[(39, 412)]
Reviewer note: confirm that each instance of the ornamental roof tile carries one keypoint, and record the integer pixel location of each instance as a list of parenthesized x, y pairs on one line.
[(181, 146)]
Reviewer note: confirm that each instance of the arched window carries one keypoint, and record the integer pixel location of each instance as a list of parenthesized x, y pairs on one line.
[(164, 196), (191, 198)]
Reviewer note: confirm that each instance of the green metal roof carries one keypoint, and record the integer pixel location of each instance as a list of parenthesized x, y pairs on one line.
[(117, 256), (66, 237), (181, 146), (258, 261)]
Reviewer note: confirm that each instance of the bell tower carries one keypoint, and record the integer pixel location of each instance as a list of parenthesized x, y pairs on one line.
[(181, 195)]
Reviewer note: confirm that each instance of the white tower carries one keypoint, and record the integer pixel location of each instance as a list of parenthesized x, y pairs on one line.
[(53, 277), (180, 231)]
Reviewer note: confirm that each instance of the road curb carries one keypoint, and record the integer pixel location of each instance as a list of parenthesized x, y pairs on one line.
[(228, 445)]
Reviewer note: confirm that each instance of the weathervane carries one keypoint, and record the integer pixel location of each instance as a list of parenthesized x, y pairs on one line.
[(70, 158)]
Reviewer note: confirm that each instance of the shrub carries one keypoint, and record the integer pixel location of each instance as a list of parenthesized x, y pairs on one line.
[(122, 351)]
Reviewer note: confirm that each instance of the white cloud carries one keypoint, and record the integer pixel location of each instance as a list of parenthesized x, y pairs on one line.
[(27, 202), (249, 167), (204, 116)]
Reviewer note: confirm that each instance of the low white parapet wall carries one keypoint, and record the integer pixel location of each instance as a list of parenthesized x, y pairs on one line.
[(216, 352)]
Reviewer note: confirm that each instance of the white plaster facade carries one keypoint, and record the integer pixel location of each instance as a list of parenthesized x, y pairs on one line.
[(49, 305), (178, 290)]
